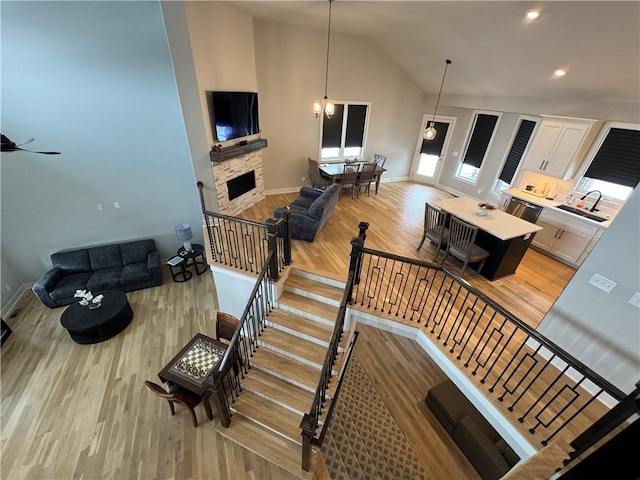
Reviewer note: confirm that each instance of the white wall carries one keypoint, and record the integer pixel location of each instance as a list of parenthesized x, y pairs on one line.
[(290, 66), (93, 80), (602, 329)]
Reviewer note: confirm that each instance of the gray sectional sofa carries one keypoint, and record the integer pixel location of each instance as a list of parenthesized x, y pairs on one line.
[(491, 456), (310, 211), (119, 266)]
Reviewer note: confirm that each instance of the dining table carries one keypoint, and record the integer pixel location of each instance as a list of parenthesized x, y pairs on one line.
[(194, 366), (334, 171), (504, 236)]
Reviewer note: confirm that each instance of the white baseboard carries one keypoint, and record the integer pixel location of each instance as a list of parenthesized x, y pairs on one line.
[(11, 304)]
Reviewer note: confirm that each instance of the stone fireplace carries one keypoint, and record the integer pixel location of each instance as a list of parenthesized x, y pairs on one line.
[(239, 182)]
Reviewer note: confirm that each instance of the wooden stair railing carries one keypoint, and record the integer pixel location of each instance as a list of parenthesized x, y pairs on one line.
[(545, 387), (244, 244)]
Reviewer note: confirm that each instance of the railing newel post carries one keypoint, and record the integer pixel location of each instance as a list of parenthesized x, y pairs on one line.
[(272, 239), (308, 427), (287, 237)]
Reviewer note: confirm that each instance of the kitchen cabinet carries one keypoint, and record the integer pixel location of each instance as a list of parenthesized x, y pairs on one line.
[(558, 146), (565, 238)]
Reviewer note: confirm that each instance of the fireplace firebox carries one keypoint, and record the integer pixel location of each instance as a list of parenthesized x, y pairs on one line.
[(241, 184)]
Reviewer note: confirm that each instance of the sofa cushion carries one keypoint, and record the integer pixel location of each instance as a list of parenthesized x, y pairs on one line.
[(479, 449), (136, 252), (317, 207), (134, 273), (507, 452), (68, 285), (105, 279), (107, 256), (303, 202), (72, 261)]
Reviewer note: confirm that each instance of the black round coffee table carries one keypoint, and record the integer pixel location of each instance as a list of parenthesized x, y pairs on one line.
[(92, 326)]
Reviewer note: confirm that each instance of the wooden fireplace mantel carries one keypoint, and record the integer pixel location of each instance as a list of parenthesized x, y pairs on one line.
[(237, 150)]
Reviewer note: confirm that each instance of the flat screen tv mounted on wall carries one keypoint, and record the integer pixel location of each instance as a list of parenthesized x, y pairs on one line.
[(233, 114)]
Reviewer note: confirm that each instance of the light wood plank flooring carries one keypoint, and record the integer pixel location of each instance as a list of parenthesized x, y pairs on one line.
[(81, 411), (395, 218)]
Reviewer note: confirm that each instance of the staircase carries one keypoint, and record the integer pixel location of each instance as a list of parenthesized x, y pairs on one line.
[(280, 385)]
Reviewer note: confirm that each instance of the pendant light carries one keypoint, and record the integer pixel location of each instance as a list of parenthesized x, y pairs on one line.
[(431, 132), (325, 105)]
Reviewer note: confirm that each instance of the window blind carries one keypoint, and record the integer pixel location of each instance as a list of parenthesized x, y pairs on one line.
[(434, 147), (480, 138), (618, 159), (356, 117), (517, 150), (332, 128)]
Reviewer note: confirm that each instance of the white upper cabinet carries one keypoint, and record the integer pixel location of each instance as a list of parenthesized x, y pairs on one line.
[(558, 146)]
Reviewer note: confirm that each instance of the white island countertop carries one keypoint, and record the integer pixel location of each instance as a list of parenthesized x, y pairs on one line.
[(497, 223)]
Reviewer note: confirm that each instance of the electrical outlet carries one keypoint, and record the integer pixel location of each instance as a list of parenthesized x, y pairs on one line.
[(635, 300), (116, 204), (8, 287), (99, 206), (303, 179), (602, 283)]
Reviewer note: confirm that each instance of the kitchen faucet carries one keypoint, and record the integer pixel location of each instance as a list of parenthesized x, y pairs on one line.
[(593, 207)]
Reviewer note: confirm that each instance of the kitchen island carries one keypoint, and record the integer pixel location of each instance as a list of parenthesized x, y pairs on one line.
[(504, 236)]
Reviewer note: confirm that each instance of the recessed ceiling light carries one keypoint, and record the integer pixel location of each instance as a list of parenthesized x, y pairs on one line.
[(533, 14), (561, 72)]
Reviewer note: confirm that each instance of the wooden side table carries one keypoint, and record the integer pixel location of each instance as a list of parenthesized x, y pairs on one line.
[(195, 258)]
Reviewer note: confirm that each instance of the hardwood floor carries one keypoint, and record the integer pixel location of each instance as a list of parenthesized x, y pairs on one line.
[(71, 411), (395, 218)]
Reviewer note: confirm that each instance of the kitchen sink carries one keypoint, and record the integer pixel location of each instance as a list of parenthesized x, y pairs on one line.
[(582, 213)]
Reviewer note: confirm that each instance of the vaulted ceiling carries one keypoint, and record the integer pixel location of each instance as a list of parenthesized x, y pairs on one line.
[(495, 50)]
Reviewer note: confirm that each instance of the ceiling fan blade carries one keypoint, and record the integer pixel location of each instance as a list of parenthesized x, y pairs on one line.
[(33, 151), (24, 143)]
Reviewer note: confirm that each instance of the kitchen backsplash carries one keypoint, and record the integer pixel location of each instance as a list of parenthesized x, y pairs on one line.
[(543, 185)]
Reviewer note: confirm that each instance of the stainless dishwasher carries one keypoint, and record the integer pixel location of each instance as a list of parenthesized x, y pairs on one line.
[(524, 210)]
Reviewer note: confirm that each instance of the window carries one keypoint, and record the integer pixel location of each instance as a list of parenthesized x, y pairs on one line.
[(482, 131), (343, 135), (516, 152), (615, 168)]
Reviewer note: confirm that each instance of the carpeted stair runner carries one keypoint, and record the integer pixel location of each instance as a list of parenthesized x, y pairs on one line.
[(349, 455), (373, 435), (332, 459)]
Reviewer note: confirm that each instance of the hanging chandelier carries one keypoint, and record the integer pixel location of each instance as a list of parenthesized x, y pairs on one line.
[(325, 105), (431, 132)]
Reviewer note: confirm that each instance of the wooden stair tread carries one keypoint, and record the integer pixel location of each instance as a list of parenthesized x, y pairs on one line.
[(268, 414), (300, 324), (274, 448), (278, 390), (309, 305), (297, 346), (299, 373), (315, 287)]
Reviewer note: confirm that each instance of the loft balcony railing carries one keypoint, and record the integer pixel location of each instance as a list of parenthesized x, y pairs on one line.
[(546, 388), (245, 245)]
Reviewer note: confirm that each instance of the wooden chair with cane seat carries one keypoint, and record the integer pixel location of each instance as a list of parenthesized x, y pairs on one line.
[(434, 228), (177, 394), (366, 177), (349, 180), (317, 180), (461, 244), (226, 326)]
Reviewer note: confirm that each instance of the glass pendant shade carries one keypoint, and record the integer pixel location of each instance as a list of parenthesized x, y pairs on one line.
[(329, 109), (325, 106), (317, 109), (431, 132)]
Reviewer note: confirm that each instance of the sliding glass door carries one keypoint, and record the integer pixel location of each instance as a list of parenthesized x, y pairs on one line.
[(427, 162)]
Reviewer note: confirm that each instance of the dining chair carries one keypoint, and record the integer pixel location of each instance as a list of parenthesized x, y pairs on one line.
[(379, 161), (317, 180), (226, 325), (349, 180), (366, 177), (461, 244), (177, 394), (434, 228)]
